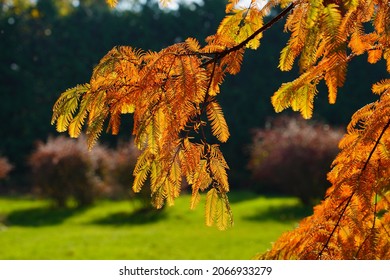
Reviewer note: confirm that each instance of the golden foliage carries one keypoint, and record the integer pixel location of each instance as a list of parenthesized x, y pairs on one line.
[(169, 94), (112, 3), (66, 106), (217, 210), (172, 95), (239, 25), (218, 123), (352, 221), (325, 35)]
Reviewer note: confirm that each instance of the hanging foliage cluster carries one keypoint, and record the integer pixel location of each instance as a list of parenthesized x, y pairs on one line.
[(173, 94)]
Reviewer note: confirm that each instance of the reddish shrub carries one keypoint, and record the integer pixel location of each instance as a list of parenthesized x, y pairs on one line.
[(63, 168), (121, 165), (5, 167), (292, 156)]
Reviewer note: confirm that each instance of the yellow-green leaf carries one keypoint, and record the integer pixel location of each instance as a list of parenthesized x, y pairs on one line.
[(217, 210), (282, 97), (200, 179), (287, 58), (140, 178), (332, 18), (238, 26), (219, 173), (314, 10), (306, 97), (66, 105), (210, 207), (141, 170), (76, 124), (127, 108), (112, 3), (195, 199), (224, 213), (218, 123), (381, 86)]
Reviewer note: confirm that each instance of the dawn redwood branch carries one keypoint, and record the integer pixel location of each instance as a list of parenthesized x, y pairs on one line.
[(247, 40), (353, 193)]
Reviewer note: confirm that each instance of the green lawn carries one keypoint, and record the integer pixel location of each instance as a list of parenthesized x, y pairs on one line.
[(31, 229)]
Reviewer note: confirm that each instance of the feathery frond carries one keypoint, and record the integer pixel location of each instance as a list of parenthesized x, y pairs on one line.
[(66, 106), (217, 210), (347, 223), (381, 87), (112, 3), (218, 123), (172, 96)]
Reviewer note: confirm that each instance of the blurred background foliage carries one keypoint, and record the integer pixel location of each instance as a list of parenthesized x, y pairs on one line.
[(48, 46)]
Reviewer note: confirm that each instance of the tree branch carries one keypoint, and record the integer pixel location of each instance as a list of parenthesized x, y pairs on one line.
[(247, 40), (353, 193)]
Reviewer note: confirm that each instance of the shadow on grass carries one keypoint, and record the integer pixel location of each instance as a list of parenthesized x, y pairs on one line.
[(41, 216), (239, 196), (284, 213), (138, 217)]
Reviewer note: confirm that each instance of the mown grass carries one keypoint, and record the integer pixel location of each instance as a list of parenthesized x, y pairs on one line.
[(31, 229)]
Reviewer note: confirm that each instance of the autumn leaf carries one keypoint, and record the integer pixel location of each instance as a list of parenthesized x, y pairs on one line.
[(112, 3)]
